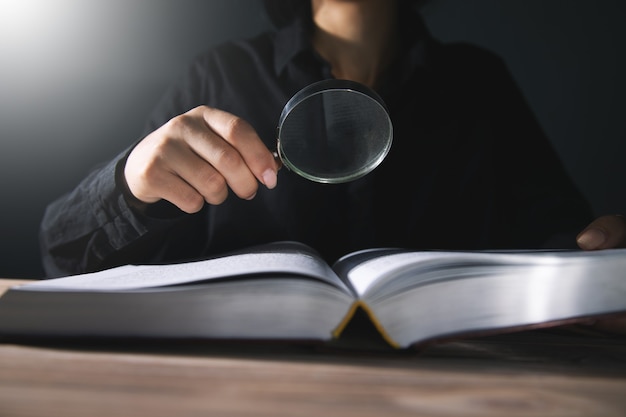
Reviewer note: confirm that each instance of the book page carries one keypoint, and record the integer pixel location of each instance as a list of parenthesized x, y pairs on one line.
[(131, 277), (369, 273), (423, 266)]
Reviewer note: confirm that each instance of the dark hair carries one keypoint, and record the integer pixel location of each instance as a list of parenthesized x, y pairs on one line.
[(282, 12)]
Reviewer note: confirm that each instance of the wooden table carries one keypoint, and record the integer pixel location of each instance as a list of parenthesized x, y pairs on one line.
[(549, 373)]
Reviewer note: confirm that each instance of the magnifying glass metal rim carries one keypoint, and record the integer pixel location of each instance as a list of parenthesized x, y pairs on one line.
[(325, 86)]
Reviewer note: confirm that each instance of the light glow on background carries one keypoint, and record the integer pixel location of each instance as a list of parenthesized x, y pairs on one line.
[(78, 79), (49, 45), (20, 18)]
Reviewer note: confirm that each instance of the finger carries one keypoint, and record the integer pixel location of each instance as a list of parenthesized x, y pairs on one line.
[(203, 177), (213, 156), (161, 167), (159, 182), (242, 137), (178, 192), (603, 233)]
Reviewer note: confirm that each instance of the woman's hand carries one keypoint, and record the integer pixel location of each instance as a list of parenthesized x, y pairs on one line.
[(603, 233), (196, 157)]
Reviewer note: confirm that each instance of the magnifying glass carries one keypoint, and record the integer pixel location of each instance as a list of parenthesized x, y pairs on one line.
[(334, 131)]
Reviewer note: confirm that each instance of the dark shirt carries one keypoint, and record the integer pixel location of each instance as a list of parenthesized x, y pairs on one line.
[(470, 167)]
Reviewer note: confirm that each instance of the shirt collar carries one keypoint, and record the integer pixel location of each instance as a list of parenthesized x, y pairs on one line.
[(294, 39), (290, 42)]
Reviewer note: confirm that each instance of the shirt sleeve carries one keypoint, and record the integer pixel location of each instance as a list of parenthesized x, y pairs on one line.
[(96, 226), (82, 228)]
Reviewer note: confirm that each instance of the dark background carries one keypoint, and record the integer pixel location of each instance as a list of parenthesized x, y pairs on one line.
[(78, 78)]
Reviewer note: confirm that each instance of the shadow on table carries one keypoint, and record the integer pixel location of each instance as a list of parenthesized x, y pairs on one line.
[(573, 348)]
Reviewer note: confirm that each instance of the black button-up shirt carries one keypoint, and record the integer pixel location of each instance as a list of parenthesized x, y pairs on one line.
[(470, 167)]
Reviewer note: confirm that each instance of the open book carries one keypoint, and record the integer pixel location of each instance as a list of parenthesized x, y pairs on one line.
[(284, 291)]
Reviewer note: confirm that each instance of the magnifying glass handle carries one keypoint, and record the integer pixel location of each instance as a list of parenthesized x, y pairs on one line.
[(279, 161)]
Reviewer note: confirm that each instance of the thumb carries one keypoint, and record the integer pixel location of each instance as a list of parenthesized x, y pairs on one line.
[(603, 233)]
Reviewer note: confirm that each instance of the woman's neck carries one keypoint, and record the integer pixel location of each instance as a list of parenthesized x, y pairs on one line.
[(357, 38)]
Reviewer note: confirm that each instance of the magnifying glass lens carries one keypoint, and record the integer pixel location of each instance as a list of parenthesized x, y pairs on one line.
[(334, 131)]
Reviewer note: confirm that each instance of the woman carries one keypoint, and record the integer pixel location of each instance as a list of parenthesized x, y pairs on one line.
[(470, 167)]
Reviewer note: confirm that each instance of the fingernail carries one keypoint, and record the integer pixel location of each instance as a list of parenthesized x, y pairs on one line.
[(591, 239), (269, 178)]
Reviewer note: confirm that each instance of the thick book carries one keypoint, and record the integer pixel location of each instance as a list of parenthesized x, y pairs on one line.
[(285, 291)]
